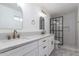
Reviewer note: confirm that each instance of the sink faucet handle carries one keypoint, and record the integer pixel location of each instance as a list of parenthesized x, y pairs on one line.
[(18, 36), (9, 37)]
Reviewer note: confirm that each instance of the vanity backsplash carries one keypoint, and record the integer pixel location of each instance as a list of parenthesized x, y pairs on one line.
[(22, 34)]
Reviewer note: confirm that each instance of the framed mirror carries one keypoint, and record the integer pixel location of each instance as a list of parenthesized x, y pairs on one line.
[(11, 16), (42, 23)]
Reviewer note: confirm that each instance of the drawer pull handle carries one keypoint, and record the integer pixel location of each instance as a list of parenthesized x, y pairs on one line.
[(44, 47), (44, 40)]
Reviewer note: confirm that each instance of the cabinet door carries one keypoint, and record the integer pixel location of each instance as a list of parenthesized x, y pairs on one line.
[(32, 53), (43, 50), (20, 51), (51, 44)]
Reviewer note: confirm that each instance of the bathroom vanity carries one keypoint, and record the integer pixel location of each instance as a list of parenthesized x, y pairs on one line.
[(39, 45), (33, 45)]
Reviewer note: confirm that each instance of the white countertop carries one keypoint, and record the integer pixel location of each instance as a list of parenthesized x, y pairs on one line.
[(9, 44)]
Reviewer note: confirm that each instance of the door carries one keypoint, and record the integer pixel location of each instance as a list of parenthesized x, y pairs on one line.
[(51, 44)]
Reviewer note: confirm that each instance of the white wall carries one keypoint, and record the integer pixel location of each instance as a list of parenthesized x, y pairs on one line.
[(30, 12), (78, 28), (70, 29), (47, 24)]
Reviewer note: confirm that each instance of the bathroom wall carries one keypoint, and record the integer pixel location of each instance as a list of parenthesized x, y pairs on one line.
[(32, 12), (78, 29), (70, 29)]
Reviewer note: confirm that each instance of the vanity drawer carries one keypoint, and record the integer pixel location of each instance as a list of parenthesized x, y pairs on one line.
[(21, 50), (43, 41), (43, 50)]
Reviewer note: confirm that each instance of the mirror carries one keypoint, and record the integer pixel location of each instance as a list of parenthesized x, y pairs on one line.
[(10, 16), (42, 23)]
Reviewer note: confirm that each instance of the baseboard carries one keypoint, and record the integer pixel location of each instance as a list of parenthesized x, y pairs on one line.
[(70, 48)]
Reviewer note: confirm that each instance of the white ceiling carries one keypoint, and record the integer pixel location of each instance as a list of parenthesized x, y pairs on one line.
[(58, 8)]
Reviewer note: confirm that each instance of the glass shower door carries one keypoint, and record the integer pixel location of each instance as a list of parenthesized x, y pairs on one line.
[(56, 27)]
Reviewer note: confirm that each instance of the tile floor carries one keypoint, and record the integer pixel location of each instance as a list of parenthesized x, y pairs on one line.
[(64, 52)]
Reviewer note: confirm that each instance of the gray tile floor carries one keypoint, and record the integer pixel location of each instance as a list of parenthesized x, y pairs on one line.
[(64, 52)]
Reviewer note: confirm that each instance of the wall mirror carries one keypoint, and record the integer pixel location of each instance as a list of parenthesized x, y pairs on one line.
[(10, 16), (42, 23)]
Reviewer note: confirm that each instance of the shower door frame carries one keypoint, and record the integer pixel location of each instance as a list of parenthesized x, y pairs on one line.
[(52, 30)]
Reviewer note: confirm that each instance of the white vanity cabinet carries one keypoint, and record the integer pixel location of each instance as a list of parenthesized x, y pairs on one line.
[(23, 50), (34, 52), (51, 44), (46, 46), (42, 47)]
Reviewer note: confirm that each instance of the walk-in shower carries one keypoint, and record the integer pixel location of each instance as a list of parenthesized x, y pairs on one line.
[(56, 27)]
